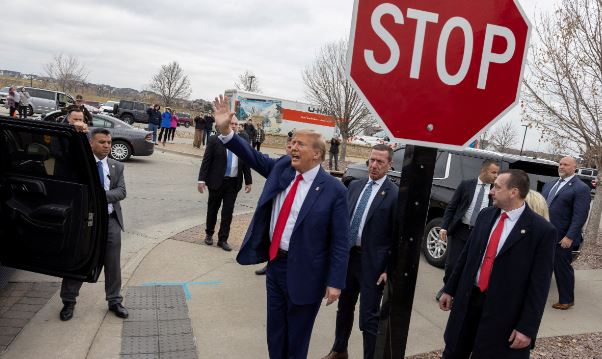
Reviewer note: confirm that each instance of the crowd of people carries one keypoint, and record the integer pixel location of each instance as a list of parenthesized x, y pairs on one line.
[(17, 100)]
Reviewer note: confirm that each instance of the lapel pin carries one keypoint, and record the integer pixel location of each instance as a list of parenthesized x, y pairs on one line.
[(317, 188), (382, 193), (522, 231)]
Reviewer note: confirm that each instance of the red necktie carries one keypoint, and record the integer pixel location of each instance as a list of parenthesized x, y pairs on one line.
[(285, 210), (490, 253)]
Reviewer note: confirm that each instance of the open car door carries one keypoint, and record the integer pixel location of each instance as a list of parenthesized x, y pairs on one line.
[(53, 210)]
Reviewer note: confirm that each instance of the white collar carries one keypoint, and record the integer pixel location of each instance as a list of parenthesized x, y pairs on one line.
[(378, 182), (104, 160), (567, 179), (310, 175), (515, 213)]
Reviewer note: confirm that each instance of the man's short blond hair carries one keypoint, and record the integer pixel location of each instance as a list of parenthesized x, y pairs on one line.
[(319, 141)]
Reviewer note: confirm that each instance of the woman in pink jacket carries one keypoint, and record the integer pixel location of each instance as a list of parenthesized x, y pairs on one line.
[(172, 129)]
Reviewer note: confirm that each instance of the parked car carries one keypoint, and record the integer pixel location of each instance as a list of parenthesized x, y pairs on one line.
[(108, 106), (53, 208), (589, 176), (184, 119), (127, 140), (131, 111), (451, 168), (43, 101), (3, 94)]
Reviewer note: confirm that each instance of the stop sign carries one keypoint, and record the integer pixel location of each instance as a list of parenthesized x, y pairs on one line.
[(438, 72)]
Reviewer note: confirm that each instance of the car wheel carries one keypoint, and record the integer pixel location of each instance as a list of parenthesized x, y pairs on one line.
[(121, 151), (187, 124), (129, 119), (29, 110), (434, 249)]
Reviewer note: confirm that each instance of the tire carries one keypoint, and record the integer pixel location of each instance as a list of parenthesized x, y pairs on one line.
[(127, 118), (29, 110), (121, 151), (187, 124), (434, 249)]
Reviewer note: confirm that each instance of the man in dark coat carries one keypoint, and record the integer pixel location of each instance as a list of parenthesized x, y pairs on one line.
[(501, 281), (333, 152), (222, 172), (568, 200), (209, 120), (199, 131), (372, 209)]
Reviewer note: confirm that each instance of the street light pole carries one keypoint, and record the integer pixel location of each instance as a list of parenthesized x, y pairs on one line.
[(524, 136)]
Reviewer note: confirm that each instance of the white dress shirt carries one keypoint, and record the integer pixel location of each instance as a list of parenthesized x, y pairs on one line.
[(234, 170), (375, 189), (302, 189), (509, 224), (106, 178), (473, 203), (562, 184)]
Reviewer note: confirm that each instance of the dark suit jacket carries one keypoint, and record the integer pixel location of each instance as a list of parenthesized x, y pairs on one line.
[(569, 208), (459, 205), (378, 232), (213, 166), (319, 245), (518, 286), (116, 190)]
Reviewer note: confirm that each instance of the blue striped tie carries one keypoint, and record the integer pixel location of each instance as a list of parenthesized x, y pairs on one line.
[(228, 163), (101, 173), (359, 212)]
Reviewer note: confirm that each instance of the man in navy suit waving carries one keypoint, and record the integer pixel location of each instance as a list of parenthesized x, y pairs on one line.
[(568, 199), (301, 227), (372, 208)]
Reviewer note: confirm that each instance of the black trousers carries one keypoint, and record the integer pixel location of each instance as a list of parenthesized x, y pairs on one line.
[(455, 246), (225, 196), (112, 268), (257, 146), (23, 111), (564, 274), (469, 329), (163, 134), (370, 295), (171, 133)]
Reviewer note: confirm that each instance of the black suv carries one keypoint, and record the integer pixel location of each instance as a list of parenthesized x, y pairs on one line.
[(53, 209), (131, 111), (451, 168)]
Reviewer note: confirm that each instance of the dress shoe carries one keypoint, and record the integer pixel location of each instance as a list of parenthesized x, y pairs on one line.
[(209, 240), (119, 310), (562, 306), (262, 271), (335, 355), (67, 311), (225, 246)]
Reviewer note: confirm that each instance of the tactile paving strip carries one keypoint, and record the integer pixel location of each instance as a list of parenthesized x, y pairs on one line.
[(158, 325)]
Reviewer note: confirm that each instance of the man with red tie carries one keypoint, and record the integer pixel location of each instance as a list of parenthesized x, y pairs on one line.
[(300, 227), (498, 290)]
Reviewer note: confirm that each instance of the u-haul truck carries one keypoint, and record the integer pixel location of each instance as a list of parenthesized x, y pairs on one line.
[(279, 116)]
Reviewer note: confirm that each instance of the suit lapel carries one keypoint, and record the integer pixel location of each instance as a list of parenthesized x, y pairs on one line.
[(566, 187), (471, 191), (355, 197), (520, 230), (112, 174), (312, 195), (378, 199), (284, 180)]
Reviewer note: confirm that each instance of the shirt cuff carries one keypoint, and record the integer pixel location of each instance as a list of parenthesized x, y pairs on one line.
[(201, 182), (227, 138)]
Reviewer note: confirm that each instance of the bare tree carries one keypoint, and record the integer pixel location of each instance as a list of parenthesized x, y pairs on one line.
[(328, 87), (565, 83), (171, 83), (247, 81), (67, 72), (503, 137)]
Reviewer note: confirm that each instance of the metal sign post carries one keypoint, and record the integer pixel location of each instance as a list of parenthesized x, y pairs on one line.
[(414, 194)]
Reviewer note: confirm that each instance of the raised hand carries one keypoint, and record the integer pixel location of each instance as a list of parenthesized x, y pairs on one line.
[(222, 115)]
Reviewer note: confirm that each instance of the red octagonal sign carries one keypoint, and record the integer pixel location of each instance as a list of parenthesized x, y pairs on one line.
[(438, 72)]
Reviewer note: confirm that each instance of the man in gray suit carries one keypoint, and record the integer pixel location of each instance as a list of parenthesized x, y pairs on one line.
[(111, 175)]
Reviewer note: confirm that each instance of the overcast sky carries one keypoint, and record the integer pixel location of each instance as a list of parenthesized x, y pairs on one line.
[(123, 43)]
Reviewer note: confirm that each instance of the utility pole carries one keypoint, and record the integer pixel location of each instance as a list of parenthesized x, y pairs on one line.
[(524, 136), (251, 82)]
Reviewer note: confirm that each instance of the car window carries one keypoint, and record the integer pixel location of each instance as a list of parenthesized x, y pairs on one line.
[(101, 122), (65, 100), (126, 105), (47, 95), (139, 106), (398, 159), (441, 166), (36, 153)]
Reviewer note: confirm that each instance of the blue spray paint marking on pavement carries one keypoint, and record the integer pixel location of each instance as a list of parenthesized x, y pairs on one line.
[(185, 285)]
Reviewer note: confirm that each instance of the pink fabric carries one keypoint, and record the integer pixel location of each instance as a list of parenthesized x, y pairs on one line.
[(174, 121)]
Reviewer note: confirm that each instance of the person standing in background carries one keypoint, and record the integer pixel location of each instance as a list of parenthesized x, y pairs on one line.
[(165, 125), (199, 131), (24, 103), (209, 120), (334, 153), (12, 101), (154, 120), (173, 126), (259, 137)]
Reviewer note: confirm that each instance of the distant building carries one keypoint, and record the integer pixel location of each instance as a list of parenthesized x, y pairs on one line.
[(9, 73)]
